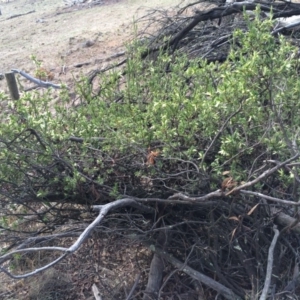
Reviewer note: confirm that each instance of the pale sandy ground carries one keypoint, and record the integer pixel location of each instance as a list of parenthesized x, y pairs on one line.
[(56, 33)]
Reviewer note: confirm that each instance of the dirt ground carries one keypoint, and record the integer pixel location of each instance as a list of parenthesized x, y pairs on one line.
[(63, 35)]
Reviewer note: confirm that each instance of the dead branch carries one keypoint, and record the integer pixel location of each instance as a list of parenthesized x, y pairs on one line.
[(263, 175), (260, 195), (285, 220), (219, 12), (44, 84), (215, 194), (156, 271), (20, 15), (221, 289), (94, 73), (270, 264), (137, 279), (103, 211)]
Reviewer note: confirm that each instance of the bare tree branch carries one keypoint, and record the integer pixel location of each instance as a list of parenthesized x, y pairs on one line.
[(215, 194), (44, 84), (285, 220), (263, 175), (270, 265), (260, 195), (103, 211), (137, 279), (221, 289)]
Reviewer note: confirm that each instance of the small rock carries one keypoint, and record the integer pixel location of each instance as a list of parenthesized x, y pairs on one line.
[(71, 40), (40, 21), (1, 76), (88, 43)]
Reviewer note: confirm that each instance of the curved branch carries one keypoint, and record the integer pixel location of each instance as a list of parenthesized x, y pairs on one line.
[(103, 211)]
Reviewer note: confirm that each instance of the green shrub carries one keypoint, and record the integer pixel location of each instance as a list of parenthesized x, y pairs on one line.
[(212, 117)]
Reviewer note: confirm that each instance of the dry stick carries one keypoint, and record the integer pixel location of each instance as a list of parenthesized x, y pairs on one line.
[(216, 13), (174, 271), (270, 264), (219, 193), (137, 279), (19, 15), (211, 283), (288, 167), (263, 175), (156, 271), (99, 71), (290, 26), (103, 211), (260, 195), (39, 82), (215, 194)]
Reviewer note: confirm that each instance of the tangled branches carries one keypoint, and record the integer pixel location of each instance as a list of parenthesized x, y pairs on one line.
[(196, 162)]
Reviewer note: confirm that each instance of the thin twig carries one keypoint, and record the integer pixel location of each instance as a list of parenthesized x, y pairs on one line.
[(263, 175), (270, 264), (219, 133), (260, 195), (137, 279), (220, 288), (103, 211)]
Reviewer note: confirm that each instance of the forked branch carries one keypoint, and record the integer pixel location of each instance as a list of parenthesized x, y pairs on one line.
[(103, 211)]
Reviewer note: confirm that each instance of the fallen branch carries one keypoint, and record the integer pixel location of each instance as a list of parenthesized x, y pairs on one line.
[(103, 211), (218, 287), (44, 84), (260, 195), (237, 7), (20, 15), (263, 175), (204, 198), (270, 264), (285, 220), (94, 73), (156, 271), (137, 279)]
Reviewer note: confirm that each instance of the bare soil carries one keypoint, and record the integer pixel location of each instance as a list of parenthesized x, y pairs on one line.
[(62, 36)]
